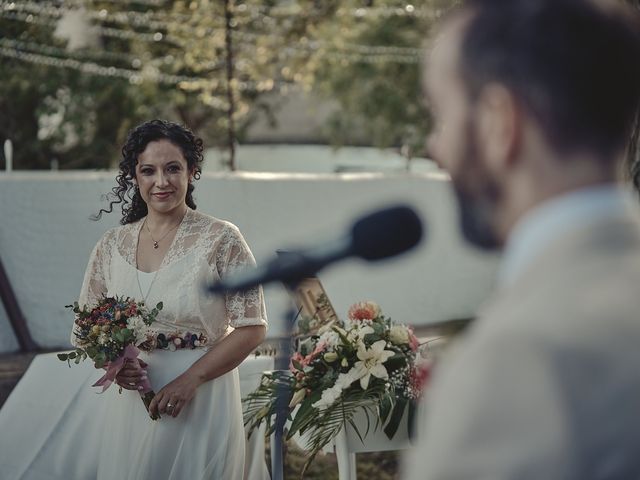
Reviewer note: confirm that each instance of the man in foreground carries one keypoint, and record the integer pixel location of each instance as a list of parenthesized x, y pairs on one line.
[(533, 100)]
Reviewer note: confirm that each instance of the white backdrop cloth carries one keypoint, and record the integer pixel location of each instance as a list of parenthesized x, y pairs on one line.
[(50, 395)]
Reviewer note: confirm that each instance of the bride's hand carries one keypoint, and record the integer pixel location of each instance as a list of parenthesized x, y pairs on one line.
[(132, 374), (174, 396)]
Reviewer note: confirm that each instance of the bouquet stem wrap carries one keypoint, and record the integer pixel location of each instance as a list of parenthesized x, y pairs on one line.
[(114, 367)]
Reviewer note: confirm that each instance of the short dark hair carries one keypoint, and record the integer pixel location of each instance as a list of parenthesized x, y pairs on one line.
[(125, 192), (574, 64)]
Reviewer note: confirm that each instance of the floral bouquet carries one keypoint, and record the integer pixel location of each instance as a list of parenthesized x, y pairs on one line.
[(367, 362), (109, 333)]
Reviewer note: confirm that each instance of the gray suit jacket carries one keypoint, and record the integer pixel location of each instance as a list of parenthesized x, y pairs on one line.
[(546, 383)]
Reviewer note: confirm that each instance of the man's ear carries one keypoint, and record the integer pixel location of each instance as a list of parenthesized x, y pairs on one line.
[(499, 125)]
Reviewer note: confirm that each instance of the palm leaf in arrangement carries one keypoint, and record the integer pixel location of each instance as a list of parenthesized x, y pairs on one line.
[(261, 404), (324, 426)]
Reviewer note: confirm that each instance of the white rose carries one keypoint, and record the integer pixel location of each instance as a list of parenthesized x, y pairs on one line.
[(399, 334), (136, 325), (331, 338)]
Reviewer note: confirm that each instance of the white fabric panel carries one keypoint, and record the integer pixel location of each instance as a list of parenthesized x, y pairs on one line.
[(46, 238)]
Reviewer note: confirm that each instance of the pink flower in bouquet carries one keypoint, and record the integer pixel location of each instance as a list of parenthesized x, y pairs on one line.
[(414, 343), (296, 357), (305, 361), (364, 311), (320, 348)]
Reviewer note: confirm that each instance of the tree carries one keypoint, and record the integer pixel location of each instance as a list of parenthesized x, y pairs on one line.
[(196, 62), (369, 60), (50, 112)]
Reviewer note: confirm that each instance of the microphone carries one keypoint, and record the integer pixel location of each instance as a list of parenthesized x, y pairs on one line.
[(378, 235)]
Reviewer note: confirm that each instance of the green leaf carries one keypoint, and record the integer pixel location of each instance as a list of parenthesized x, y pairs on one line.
[(378, 328), (396, 416), (386, 406), (159, 306), (411, 418), (63, 356), (91, 351), (126, 334)]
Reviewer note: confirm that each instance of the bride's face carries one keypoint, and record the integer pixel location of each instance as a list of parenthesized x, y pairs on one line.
[(162, 175)]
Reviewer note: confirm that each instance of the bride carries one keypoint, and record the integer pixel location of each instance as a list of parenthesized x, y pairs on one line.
[(165, 251)]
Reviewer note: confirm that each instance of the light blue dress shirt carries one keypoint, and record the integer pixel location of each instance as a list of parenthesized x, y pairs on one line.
[(556, 217)]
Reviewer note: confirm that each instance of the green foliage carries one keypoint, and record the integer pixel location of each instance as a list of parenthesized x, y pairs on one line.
[(82, 119)]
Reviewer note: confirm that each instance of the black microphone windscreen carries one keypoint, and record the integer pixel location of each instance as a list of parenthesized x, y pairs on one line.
[(386, 233)]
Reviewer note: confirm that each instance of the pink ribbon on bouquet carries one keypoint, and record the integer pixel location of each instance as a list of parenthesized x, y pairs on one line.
[(113, 368)]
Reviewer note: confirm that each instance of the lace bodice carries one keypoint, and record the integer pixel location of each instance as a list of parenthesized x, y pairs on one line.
[(204, 250)]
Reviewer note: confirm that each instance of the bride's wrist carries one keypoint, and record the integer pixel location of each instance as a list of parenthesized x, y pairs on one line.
[(196, 377)]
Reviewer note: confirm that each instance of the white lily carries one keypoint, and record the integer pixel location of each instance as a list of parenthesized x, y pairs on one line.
[(372, 362)]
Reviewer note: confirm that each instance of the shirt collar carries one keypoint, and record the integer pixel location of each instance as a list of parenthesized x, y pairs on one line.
[(556, 217)]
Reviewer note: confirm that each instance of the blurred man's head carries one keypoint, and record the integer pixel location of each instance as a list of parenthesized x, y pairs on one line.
[(532, 98)]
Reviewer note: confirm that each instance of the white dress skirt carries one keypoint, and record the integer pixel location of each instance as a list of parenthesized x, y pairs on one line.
[(205, 441)]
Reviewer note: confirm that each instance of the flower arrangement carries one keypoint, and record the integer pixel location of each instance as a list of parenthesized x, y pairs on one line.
[(109, 333), (367, 362)]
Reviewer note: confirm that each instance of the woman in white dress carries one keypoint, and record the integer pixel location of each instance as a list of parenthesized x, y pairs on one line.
[(165, 251)]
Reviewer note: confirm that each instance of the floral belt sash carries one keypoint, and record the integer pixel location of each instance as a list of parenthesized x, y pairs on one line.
[(176, 341)]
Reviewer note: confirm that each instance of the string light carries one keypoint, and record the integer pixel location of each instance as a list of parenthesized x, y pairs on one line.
[(133, 76), (151, 3), (374, 54), (47, 55), (47, 49), (386, 53), (105, 31)]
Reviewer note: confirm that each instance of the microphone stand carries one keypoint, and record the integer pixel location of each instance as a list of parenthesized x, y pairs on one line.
[(281, 364)]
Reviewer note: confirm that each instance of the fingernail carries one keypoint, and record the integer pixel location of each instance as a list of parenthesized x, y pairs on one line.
[(144, 377), (144, 372), (139, 387)]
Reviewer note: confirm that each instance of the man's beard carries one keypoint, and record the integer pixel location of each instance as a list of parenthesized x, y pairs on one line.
[(477, 202)]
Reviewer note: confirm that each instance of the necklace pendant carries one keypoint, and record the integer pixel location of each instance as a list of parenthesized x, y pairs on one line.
[(155, 244)]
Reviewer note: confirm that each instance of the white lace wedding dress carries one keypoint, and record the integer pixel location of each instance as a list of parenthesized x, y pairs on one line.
[(206, 441)]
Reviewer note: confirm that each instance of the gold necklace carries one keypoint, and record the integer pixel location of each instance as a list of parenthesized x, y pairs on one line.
[(156, 242)]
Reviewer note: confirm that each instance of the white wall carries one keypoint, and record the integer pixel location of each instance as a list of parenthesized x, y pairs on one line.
[(46, 237)]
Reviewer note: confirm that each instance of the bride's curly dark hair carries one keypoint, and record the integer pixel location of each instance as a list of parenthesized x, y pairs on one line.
[(126, 192)]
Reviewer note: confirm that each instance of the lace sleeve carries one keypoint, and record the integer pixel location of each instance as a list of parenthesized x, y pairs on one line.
[(96, 276), (243, 308)]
